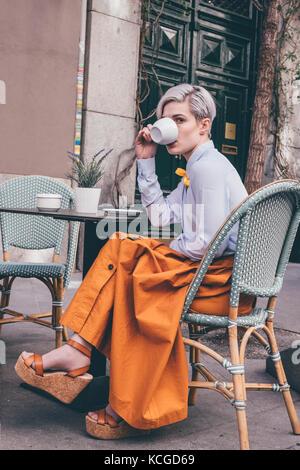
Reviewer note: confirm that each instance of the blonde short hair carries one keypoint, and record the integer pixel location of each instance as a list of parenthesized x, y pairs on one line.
[(202, 104)]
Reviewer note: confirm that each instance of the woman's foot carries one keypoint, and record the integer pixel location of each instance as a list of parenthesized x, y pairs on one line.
[(107, 424), (68, 365), (109, 411), (66, 358)]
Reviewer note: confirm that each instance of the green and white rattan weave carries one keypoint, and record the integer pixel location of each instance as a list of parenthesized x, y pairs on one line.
[(268, 222), (35, 233)]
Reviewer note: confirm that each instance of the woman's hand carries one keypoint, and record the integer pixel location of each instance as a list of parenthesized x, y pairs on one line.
[(144, 145)]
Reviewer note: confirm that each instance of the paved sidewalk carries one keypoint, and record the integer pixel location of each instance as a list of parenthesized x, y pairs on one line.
[(33, 421)]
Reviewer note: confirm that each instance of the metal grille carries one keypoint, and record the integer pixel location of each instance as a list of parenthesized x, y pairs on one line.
[(241, 7)]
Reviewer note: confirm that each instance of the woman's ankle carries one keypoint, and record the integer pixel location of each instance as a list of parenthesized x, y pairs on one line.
[(113, 414), (65, 358), (76, 337)]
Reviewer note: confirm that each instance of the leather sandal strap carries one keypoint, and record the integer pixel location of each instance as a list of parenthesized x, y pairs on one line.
[(39, 370), (105, 418), (110, 420), (37, 359), (101, 416), (80, 347), (77, 372), (29, 360)]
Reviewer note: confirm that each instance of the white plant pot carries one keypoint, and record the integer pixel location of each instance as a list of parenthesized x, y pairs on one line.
[(87, 200)]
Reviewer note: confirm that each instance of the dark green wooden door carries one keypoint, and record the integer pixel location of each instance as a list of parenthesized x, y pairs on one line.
[(212, 43), (167, 63), (223, 60)]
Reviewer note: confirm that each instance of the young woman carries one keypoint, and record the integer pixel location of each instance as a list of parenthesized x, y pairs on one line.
[(129, 304)]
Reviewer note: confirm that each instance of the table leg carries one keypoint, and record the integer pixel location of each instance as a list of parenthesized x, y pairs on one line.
[(92, 246)]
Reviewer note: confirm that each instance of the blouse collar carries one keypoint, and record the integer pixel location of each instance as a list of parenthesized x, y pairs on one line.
[(198, 153)]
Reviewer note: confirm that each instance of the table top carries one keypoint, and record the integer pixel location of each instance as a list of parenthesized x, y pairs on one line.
[(72, 215)]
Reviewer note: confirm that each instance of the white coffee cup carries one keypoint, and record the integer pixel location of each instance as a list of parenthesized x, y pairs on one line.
[(48, 202), (164, 131)]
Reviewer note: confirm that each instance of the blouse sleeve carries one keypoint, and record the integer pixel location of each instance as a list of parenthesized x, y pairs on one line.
[(160, 210)]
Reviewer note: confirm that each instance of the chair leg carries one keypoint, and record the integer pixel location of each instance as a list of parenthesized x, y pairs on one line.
[(240, 406), (193, 390), (194, 357), (1, 313), (281, 377), (57, 312), (238, 387), (4, 298), (291, 411)]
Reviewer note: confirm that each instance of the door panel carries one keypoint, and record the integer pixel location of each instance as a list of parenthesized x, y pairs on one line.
[(212, 43), (165, 163), (238, 7), (168, 47), (224, 54), (230, 131), (222, 60)]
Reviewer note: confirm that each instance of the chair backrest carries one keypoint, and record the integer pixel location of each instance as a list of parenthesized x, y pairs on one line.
[(266, 235), (268, 222), (31, 231)]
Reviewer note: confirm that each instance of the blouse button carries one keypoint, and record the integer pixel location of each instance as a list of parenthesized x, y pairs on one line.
[(110, 266)]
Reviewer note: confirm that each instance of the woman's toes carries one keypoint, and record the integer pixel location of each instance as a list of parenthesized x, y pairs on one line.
[(65, 358), (25, 355), (93, 415)]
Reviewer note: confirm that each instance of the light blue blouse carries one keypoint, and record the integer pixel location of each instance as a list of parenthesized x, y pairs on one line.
[(215, 190)]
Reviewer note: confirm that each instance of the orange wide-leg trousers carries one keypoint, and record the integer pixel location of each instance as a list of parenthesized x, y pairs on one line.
[(129, 306)]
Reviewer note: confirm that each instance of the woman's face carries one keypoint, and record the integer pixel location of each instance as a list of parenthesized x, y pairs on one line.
[(191, 132)]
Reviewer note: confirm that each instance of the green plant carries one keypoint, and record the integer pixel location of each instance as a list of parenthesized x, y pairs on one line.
[(86, 173)]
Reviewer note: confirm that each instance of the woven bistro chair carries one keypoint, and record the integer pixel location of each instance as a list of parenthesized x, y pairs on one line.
[(268, 220), (35, 233)]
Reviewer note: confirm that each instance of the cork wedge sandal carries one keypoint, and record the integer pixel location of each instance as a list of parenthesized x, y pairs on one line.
[(65, 386), (105, 427)]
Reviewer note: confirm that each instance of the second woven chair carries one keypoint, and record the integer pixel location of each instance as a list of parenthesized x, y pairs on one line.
[(35, 233)]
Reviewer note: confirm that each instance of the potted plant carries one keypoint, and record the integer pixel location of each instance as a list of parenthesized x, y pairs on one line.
[(86, 174)]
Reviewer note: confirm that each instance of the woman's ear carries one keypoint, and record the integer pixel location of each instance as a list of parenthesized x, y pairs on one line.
[(205, 126)]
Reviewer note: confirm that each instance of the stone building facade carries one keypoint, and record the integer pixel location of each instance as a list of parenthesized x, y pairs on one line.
[(47, 50)]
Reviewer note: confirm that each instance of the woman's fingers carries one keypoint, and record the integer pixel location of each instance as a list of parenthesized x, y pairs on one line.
[(144, 134), (147, 136), (144, 145)]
